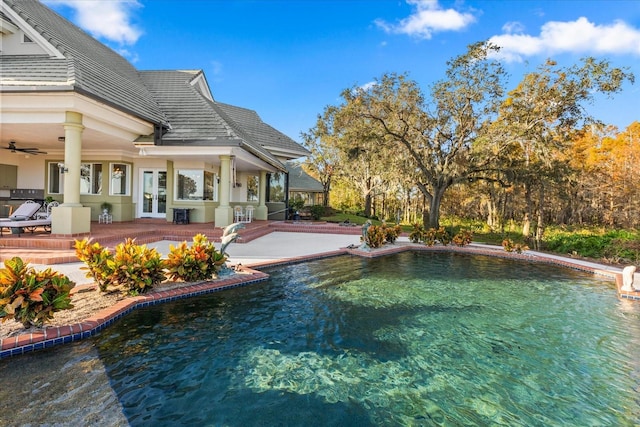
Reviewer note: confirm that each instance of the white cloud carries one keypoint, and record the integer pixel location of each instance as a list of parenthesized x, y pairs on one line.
[(427, 19), (110, 20), (365, 87), (579, 36), (513, 27)]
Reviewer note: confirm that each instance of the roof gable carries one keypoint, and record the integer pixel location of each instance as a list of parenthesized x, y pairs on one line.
[(98, 71)]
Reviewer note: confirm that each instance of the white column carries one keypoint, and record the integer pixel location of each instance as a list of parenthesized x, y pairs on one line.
[(262, 212), (72, 158), (224, 213), (225, 181), (71, 218)]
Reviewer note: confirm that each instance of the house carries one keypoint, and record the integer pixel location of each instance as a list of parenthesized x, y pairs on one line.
[(84, 126), (303, 186)]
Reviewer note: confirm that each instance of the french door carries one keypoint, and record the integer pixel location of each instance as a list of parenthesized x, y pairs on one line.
[(153, 193)]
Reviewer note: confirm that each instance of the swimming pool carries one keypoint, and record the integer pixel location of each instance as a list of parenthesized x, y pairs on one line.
[(408, 339)]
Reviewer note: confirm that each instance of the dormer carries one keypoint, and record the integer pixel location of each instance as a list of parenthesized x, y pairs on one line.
[(17, 37), (199, 82)]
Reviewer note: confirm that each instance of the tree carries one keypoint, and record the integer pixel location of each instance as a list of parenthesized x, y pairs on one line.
[(323, 161), (538, 120), (438, 136)]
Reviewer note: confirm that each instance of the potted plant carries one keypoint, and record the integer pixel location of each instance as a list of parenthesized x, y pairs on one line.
[(106, 207)]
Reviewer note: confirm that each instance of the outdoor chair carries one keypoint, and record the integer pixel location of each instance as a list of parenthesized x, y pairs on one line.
[(25, 211), (36, 220), (238, 214), (248, 214)]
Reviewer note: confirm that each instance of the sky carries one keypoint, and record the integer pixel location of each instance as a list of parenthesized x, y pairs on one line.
[(289, 59)]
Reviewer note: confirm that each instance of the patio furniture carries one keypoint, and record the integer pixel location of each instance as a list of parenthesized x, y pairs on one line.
[(25, 211), (181, 215), (35, 220), (105, 217), (248, 214), (238, 214)]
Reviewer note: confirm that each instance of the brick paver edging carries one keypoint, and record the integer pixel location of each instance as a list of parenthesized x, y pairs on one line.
[(57, 335), (50, 337)]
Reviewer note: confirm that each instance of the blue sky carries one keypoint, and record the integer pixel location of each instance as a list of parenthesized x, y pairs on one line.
[(288, 59)]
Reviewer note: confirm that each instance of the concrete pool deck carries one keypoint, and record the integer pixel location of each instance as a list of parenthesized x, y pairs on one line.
[(276, 248)]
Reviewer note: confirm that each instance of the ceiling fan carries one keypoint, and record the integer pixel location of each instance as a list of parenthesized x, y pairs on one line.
[(14, 149)]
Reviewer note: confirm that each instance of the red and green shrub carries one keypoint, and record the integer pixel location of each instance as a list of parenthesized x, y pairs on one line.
[(198, 262), (32, 297), (96, 258), (135, 268)]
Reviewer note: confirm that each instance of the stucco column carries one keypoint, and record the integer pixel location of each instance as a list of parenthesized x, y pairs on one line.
[(224, 213), (72, 158), (71, 218), (262, 212)]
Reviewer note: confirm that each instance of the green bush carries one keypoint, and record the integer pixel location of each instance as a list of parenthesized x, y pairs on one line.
[(391, 233), (96, 259), (317, 211), (198, 262), (31, 297), (375, 236), (417, 233), (510, 246), (132, 268), (613, 245), (135, 268), (463, 238)]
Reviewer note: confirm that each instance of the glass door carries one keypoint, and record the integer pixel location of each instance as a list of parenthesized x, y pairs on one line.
[(153, 194)]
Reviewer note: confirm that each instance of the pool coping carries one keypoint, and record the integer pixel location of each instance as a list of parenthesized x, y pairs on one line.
[(57, 335)]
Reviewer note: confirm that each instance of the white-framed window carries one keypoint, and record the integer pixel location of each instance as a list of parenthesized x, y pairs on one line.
[(253, 186), (276, 187), (56, 178), (195, 184), (120, 179), (90, 178)]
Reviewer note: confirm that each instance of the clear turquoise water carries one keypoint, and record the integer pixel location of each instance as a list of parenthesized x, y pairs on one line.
[(416, 339), (410, 339)]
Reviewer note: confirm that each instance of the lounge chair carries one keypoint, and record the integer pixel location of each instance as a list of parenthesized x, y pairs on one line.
[(42, 219), (25, 211)]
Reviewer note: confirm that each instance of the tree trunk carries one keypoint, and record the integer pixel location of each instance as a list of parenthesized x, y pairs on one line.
[(434, 208), (367, 205), (540, 221), (367, 198), (326, 188), (526, 223)]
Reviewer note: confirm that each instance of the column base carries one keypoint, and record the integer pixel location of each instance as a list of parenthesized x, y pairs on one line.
[(262, 213), (70, 220), (224, 216)]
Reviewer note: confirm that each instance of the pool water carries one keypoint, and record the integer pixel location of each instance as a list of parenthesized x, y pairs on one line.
[(409, 339)]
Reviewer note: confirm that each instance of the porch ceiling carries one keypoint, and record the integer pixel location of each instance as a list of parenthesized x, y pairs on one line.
[(37, 120)]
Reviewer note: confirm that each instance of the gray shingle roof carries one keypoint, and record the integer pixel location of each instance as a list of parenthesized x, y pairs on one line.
[(261, 132), (299, 180), (196, 120), (37, 69), (167, 98), (98, 71)]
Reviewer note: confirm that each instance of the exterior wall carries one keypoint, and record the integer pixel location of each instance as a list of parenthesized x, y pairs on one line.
[(12, 44)]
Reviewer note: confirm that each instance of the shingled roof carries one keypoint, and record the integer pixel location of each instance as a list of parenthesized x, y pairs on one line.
[(299, 180), (92, 68), (197, 120), (179, 101), (270, 138)]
